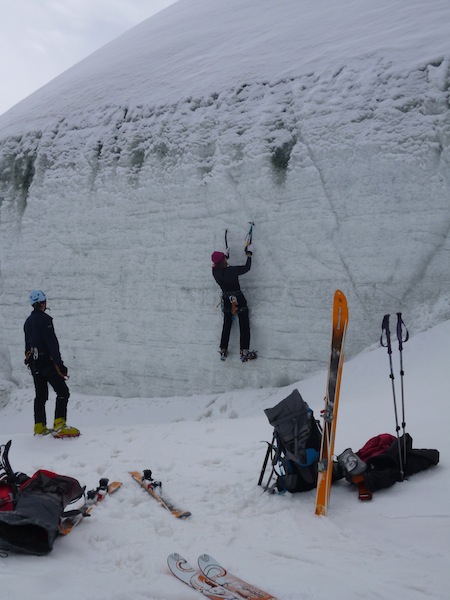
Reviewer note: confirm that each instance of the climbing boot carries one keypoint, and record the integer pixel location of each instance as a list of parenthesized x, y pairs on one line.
[(41, 429), (62, 430)]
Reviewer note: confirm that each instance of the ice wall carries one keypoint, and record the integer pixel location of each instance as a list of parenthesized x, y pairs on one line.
[(115, 209)]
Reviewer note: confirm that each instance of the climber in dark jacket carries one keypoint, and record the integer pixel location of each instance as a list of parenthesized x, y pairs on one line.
[(233, 301), (43, 356)]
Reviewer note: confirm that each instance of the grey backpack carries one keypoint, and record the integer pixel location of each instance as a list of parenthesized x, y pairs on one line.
[(295, 447)]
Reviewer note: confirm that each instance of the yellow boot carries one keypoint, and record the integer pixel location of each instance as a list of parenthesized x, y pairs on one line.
[(41, 429), (61, 429)]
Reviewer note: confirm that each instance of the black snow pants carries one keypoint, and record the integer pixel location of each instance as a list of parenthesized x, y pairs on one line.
[(44, 373), (244, 321)]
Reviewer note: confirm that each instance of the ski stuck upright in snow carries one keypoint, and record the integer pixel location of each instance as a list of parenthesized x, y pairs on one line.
[(330, 413)]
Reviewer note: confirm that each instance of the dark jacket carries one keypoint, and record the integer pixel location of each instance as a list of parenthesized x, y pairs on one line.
[(228, 277), (39, 333), (228, 280)]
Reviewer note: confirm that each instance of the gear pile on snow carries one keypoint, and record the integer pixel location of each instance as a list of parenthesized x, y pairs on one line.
[(386, 459), (377, 464), (31, 507)]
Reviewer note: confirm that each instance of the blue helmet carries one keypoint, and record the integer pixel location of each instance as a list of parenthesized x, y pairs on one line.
[(37, 296)]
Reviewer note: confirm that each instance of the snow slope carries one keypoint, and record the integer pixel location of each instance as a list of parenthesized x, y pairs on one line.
[(326, 123), (199, 48), (208, 452)]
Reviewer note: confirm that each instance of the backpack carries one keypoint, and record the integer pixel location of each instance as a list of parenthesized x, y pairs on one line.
[(295, 447), (379, 463), (31, 507), (383, 469), (6, 495)]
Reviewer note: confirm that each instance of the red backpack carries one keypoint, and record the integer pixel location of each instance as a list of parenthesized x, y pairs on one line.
[(31, 507), (6, 496)]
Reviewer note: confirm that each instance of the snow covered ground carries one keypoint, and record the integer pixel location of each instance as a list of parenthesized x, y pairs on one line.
[(208, 452)]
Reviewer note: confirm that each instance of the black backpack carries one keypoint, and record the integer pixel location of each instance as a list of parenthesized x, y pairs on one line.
[(31, 507), (295, 447)]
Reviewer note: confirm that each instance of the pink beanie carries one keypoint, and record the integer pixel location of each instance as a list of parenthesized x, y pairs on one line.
[(217, 257)]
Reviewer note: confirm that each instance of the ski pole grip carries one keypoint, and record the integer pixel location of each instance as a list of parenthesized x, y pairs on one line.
[(385, 330), (402, 332)]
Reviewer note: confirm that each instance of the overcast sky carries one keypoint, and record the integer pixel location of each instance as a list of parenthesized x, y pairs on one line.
[(39, 39)]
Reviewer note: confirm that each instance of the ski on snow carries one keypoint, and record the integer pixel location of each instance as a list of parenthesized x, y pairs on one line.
[(146, 481), (330, 413), (72, 518), (215, 572), (214, 581)]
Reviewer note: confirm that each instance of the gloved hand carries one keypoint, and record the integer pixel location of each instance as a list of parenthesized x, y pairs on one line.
[(249, 250), (63, 369), (227, 252)]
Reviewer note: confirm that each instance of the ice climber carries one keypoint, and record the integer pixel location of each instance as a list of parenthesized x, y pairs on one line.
[(43, 357), (233, 301)]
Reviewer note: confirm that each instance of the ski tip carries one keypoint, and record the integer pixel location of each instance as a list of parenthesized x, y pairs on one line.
[(203, 559), (175, 560), (114, 486), (174, 556)]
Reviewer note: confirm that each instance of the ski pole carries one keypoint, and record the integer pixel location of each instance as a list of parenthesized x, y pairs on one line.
[(387, 333), (402, 336)]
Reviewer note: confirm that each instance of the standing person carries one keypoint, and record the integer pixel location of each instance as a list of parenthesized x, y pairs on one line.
[(233, 301), (43, 357)]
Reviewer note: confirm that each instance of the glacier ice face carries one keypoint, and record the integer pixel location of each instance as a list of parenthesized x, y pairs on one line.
[(115, 208)]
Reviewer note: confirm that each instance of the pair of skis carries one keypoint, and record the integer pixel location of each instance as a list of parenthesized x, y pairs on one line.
[(214, 581), (72, 518)]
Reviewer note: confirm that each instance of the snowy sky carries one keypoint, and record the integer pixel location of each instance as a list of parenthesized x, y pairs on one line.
[(40, 40)]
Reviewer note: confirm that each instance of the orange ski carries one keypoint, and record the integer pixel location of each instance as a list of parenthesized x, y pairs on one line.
[(330, 413), (71, 518), (146, 481)]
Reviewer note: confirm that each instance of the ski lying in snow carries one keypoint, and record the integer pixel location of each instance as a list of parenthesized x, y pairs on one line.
[(72, 518), (146, 481), (330, 413), (219, 575), (197, 580)]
